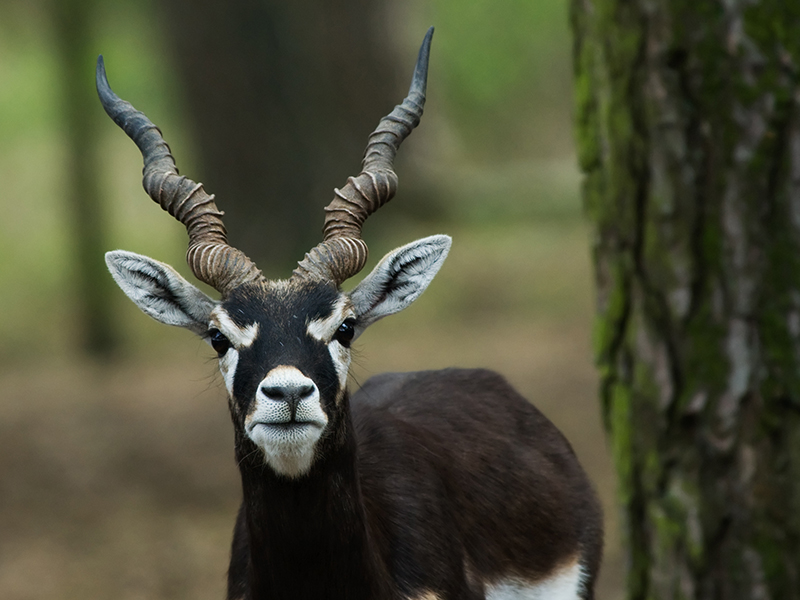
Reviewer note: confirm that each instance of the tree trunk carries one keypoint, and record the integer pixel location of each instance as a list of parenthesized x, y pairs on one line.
[(689, 139), (282, 97)]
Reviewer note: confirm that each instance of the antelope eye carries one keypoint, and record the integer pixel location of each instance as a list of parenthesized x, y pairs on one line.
[(347, 330), (219, 342)]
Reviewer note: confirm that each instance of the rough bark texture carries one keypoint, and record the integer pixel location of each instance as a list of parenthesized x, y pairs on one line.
[(689, 139), (281, 96)]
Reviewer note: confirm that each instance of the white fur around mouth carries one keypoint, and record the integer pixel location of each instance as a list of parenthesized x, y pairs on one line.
[(287, 426), (288, 447), (286, 434)]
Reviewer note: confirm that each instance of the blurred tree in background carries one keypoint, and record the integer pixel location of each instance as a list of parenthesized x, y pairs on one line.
[(281, 97), (73, 25), (689, 139)]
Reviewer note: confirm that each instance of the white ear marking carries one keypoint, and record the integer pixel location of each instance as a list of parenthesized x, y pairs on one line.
[(159, 291)]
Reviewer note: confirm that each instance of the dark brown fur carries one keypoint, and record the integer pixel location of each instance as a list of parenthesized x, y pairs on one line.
[(443, 480)]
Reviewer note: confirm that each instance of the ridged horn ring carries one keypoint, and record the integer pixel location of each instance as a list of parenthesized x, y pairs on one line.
[(210, 257), (343, 253)]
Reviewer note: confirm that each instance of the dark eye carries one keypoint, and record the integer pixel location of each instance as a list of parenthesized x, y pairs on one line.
[(219, 342), (347, 330)]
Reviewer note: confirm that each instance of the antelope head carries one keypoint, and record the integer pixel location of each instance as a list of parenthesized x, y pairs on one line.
[(283, 345)]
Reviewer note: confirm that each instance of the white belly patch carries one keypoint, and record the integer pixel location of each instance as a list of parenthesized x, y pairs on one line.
[(565, 584)]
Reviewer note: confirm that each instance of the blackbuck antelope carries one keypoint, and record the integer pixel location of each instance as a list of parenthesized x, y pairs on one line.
[(420, 486)]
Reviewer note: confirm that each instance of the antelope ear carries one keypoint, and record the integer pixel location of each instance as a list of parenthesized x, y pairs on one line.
[(160, 291), (398, 280)]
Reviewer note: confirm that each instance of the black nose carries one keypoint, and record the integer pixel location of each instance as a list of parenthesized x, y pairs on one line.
[(291, 394)]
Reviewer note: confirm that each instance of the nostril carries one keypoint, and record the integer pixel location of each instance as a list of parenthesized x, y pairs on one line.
[(274, 392), (287, 393), (304, 391)]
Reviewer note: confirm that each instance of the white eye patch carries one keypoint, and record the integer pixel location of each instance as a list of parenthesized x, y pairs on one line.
[(239, 337), (227, 366), (324, 329)]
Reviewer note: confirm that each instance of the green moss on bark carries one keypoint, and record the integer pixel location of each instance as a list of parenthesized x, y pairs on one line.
[(688, 134)]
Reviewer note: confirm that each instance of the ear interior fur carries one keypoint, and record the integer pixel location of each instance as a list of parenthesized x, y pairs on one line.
[(399, 279), (159, 291)]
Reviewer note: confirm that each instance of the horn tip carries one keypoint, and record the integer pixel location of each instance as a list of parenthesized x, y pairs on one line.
[(100, 71), (420, 79), (104, 91)]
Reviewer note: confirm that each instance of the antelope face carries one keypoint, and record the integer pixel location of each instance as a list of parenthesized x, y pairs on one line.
[(283, 346), (284, 353)]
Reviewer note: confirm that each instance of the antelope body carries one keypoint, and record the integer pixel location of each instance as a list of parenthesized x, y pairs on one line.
[(434, 485)]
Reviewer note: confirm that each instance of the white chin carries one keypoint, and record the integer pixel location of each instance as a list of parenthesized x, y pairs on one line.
[(288, 449)]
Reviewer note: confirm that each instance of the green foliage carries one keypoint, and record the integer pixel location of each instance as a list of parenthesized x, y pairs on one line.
[(505, 70)]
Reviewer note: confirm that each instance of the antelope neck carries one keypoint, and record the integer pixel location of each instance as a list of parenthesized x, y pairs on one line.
[(309, 537)]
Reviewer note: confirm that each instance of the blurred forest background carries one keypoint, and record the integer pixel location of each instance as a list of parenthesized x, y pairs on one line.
[(116, 467)]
